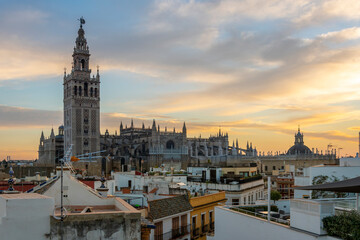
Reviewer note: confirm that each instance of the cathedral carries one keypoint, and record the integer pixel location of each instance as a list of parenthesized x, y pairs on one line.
[(134, 147)]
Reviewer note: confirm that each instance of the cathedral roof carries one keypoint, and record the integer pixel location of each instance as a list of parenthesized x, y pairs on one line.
[(299, 147)]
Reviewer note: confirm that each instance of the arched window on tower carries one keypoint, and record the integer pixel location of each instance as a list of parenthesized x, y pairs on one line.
[(80, 91), (85, 89), (96, 92), (91, 92), (82, 64), (75, 90)]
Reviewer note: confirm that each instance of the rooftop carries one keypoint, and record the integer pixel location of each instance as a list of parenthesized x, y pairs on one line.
[(207, 199), (23, 196), (168, 206)]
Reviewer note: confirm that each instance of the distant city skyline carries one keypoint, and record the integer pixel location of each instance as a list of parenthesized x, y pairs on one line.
[(257, 73)]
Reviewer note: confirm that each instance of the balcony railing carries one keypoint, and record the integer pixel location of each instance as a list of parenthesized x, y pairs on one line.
[(195, 232), (184, 230), (174, 233), (204, 229), (212, 226)]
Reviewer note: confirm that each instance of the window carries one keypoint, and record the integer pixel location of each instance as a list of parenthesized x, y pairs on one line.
[(80, 91), (195, 231), (75, 90), (266, 168), (244, 200), (274, 168), (184, 224), (82, 64), (159, 231), (85, 89), (170, 144), (203, 226), (235, 201), (91, 92), (175, 227), (96, 92), (211, 220)]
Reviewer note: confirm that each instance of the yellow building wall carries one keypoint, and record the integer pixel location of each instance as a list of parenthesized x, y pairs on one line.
[(204, 205), (250, 170)]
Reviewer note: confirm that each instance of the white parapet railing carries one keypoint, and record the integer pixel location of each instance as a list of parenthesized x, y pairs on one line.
[(257, 214)]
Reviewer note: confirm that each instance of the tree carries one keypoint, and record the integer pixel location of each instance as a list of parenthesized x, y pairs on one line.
[(321, 179), (275, 195)]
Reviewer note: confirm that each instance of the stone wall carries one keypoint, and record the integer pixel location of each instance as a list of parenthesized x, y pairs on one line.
[(97, 226)]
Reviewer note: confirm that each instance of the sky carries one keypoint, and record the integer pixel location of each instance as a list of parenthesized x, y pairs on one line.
[(256, 69)]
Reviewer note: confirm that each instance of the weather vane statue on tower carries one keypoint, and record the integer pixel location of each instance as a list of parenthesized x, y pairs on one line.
[(82, 21)]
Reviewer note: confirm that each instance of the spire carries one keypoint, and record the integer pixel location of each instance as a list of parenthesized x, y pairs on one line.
[(132, 123), (233, 144), (158, 128), (237, 143), (247, 145), (143, 125), (174, 129), (121, 126), (299, 128), (52, 133), (81, 51), (42, 138), (154, 125), (165, 129), (184, 128)]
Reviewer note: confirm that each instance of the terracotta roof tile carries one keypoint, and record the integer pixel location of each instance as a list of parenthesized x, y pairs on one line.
[(168, 206)]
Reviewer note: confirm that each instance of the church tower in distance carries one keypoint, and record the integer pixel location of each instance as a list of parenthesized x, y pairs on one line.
[(81, 101)]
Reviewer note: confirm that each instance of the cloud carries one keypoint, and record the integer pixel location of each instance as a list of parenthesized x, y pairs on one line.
[(265, 65), (342, 35), (18, 117)]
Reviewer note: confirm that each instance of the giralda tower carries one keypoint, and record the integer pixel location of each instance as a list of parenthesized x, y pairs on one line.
[(81, 101)]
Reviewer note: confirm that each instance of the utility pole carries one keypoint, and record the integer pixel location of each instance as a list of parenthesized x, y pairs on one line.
[(269, 198)]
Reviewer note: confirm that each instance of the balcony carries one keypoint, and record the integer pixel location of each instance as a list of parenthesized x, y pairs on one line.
[(195, 233), (204, 229), (212, 227), (174, 233)]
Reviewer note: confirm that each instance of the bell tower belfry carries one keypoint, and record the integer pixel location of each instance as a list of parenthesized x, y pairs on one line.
[(81, 101)]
